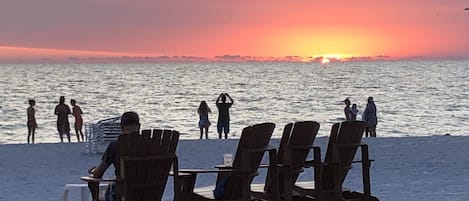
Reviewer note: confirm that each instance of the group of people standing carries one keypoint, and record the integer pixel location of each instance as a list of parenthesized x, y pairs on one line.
[(223, 123), (368, 116), (62, 111)]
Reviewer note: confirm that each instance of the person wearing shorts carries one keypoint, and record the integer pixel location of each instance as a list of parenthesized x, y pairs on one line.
[(223, 123)]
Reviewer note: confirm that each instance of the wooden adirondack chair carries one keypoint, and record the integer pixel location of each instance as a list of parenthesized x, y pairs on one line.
[(295, 145), (344, 141), (145, 162), (254, 141)]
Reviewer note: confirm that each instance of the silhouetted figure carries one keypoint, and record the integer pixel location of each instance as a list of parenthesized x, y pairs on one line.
[(77, 112), (369, 116), (32, 124), (353, 112), (223, 124), (63, 126), (204, 123), (347, 110), (130, 125)]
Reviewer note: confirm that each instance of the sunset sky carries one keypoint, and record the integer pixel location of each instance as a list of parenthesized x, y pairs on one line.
[(207, 28)]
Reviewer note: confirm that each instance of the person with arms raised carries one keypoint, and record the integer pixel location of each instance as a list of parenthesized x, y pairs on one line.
[(223, 124)]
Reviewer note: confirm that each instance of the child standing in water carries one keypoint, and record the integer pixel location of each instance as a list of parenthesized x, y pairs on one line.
[(354, 112), (76, 112), (32, 125)]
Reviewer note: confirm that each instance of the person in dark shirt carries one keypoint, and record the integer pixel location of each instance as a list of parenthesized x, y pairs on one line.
[(223, 124), (369, 116), (130, 124), (63, 126)]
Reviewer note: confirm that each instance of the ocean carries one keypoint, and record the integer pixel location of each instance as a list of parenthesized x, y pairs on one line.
[(413, 98)]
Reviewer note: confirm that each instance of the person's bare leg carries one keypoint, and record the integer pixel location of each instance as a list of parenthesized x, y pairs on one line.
[(29, 133), (82, 138), (32, 135), (68, 136), (78, 135), (61, 137)]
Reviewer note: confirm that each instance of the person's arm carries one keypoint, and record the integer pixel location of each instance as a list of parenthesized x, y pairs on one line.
[(56, 112), (29, 112), (68, 110), (208, 110), (219, 97), (98, 172), (231, 100)]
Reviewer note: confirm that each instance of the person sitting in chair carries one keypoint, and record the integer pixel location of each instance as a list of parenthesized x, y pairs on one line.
[(130, 124)]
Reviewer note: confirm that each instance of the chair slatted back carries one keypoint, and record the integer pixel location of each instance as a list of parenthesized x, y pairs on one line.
[(295, 135), (248, 158), (343, 144), (294, 149), (145, 161)]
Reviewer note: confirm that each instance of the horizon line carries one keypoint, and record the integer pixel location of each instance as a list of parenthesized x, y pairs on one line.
[(55, 55)]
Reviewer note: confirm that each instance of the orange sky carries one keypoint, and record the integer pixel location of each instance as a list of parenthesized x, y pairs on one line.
[(398, 28)]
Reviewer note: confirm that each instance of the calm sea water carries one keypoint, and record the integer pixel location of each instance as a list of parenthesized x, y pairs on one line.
[(412, 98)]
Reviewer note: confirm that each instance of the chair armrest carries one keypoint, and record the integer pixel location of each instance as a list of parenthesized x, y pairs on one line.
[(196, 171), (93, 179), (350, 145), (263, 149), (223, 166)]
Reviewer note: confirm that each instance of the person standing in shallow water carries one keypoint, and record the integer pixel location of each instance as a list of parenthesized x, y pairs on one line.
[(32, 124), (63, 126), (369, 116), (204, 123), (223, 124), (76, 112), (347, 110), (353, 112)]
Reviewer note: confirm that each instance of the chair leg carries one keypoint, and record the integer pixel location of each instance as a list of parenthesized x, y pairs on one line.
[(65, 194)]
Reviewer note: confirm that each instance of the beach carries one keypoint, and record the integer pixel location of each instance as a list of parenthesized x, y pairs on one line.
[(411, 168)]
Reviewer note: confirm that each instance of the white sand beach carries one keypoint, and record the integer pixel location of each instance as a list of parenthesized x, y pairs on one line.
[(410, 168)]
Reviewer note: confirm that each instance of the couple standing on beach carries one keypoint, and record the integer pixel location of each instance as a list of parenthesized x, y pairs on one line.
[(223, 124), (369, 115), (63, 126)]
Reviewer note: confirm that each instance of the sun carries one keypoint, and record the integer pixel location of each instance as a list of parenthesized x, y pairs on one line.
[(325, 60)]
